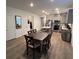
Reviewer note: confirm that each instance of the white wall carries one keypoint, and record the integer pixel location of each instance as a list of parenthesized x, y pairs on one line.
[(62, 18), (11, 31), (53, 17)]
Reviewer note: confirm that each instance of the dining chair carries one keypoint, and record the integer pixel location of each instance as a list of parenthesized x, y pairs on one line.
[(47, 41), (34, 31), (31, 43), (29, 32)]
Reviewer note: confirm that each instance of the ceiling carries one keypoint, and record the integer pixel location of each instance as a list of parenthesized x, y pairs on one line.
[(40, 5)]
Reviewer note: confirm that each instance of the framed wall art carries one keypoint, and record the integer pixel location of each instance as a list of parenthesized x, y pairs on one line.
[(18, 22)]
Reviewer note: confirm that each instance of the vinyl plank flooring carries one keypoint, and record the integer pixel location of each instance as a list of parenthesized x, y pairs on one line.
[(59, 49)]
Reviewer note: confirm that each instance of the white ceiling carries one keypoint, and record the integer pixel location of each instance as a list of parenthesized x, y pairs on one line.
[(40, 5)]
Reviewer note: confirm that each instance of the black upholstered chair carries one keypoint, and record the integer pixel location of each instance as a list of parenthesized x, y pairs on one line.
[(31, 43), (47, 41), (29, 32), (34, 31)]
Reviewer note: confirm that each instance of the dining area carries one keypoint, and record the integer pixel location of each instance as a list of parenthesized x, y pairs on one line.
[(38, 41), (39, 45)]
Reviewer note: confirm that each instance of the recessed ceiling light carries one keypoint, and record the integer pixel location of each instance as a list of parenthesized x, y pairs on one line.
[(56, 9), (58, 12), (46, 13), (43, 11), (51, 0), (31, 4)]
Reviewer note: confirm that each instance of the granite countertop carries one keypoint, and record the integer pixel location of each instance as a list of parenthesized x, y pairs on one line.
[(64, 28), (69, 28)]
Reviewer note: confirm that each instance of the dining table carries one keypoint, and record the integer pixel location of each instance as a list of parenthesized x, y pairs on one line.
[(40, 36)]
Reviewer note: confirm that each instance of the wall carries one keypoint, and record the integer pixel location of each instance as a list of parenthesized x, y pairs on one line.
[(11, 31), (54, 17), (62, 17)]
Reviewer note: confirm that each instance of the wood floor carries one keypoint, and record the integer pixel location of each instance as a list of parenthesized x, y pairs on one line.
[(59, 49)]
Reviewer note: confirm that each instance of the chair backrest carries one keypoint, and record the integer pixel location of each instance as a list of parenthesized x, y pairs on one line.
[(28, 39), (34, 31), (29, 32), (49, 36)]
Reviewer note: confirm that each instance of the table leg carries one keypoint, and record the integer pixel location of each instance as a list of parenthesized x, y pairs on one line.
[(41, 47)]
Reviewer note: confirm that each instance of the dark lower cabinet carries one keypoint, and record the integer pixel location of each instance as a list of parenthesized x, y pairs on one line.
[(66, 35), (56, 27)]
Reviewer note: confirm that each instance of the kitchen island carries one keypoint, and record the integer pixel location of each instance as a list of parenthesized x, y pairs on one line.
[(66, 33)]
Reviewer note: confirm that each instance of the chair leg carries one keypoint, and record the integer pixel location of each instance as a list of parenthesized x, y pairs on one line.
[(27, 50), (33, 53)]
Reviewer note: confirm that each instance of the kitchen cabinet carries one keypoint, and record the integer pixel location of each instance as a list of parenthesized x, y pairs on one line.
[(70, 16), (66, 35)]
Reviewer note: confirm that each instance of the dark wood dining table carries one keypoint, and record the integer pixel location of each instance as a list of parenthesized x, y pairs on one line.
[(40, 36)]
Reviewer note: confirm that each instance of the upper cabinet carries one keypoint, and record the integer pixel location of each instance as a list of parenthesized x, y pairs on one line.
[(70, 16)]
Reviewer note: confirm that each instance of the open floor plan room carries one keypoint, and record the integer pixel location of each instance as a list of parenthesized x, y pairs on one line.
[(39, 29)]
